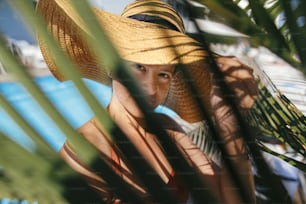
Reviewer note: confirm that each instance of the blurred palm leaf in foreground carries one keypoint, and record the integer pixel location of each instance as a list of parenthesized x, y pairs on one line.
[(273, 115), (280, 27)]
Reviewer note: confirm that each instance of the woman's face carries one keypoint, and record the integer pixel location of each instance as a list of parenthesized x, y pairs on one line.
[(154, 80)]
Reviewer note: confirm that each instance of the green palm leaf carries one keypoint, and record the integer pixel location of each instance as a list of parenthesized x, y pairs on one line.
[(273, 113), (260, 32), (154, 186), (295, 20)]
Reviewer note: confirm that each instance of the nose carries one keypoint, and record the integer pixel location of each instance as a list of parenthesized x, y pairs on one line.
[(150, 85)]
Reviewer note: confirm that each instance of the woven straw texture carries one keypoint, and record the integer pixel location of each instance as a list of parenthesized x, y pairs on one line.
[(136, 41)]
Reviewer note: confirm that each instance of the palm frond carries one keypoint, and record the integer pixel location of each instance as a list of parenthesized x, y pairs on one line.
[(260, 32), (295, 20), (255, 26), (135, 161), (277, 115)]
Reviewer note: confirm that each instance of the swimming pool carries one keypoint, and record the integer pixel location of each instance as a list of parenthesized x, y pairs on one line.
[(65, 97)]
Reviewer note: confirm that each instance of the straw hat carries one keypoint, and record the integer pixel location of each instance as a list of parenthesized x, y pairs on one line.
[(147, 32)]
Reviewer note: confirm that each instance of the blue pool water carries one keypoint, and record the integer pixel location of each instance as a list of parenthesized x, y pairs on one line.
[(65, 98)]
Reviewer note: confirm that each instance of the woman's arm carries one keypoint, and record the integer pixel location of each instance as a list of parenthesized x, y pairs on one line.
[(69, 156), (240, 80)]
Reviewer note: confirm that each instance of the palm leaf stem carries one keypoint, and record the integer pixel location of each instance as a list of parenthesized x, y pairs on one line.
[(289, 160)]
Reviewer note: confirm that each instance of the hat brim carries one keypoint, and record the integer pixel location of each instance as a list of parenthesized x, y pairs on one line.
[(135, 41)]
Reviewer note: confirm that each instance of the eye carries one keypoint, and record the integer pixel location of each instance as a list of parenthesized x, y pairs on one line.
[(136, 67), (165, 76), (140, 67)]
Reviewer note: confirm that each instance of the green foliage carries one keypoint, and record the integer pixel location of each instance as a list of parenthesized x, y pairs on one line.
[(40, 177), (36, 170), (24, 175), (273, 114), (271, 24)]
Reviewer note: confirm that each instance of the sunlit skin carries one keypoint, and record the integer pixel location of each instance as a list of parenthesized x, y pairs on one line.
[(154, 81)]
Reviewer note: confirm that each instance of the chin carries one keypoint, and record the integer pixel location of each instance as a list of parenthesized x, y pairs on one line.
[(152, 106)]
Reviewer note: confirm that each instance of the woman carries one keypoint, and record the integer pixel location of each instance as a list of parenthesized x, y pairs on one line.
[(150, 38)]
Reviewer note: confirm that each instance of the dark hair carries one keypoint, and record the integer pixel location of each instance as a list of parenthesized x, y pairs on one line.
[(154, 19)]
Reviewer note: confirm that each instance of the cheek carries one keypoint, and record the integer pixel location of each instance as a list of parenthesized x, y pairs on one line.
[(163, 92)]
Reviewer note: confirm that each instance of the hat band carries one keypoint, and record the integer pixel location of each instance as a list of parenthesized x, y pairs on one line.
[(154, 19)]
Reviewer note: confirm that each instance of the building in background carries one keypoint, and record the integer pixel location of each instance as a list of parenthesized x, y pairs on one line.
[(29, 55)]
